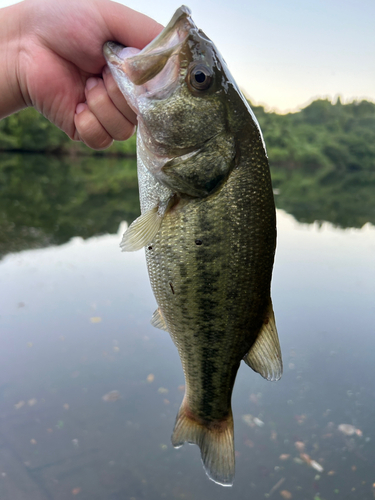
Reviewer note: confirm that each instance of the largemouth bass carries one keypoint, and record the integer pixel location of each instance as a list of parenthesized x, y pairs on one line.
[(208, 225)]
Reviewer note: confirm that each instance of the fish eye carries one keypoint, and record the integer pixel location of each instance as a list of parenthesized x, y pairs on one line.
[(200, 77)]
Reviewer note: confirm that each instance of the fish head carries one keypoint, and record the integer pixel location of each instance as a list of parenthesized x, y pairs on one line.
[(186, 102), (175, 85)]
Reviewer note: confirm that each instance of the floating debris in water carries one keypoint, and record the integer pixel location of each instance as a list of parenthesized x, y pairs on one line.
[(75, 443), (258, 422), (349, 430), (32, 402), (150, 378), (316, 466), (286, 494), (252, 421), (33, 441), (95, 319), (66, 406), (275, 487), (300, 446), (111, 396), (312, 463), (75, 491), (284, 456), (248, 419), (19, 405), (163, 390)]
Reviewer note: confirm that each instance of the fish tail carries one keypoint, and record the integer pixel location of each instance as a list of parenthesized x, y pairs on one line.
[(215, 440)]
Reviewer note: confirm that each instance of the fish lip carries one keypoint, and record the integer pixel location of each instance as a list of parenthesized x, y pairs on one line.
[(151, 60)]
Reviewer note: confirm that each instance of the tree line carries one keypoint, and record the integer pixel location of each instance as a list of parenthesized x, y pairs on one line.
[(321, 135)]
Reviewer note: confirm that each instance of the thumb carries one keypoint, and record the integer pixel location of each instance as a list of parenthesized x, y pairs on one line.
[(127, 26)]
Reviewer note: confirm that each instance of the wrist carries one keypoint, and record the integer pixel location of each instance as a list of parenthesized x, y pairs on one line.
[(11, 95)]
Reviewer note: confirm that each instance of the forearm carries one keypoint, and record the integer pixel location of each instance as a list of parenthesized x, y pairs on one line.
[(11, 98)]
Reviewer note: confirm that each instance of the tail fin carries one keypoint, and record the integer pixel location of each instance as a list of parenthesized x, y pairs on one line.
[(215, 440)]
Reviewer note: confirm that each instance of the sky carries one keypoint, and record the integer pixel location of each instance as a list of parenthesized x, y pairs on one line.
[(285, 53)]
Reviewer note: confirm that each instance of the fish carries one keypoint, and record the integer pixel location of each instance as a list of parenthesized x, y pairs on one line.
[(207, 223)]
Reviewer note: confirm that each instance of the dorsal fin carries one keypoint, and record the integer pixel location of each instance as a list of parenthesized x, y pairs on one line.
[(264, 356), (157, 320), (141, 231)]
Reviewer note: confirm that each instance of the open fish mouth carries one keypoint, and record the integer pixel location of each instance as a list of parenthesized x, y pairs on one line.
[(155, 69)]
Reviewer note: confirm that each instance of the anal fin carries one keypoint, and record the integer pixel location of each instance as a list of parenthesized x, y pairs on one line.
[(264, 356), (141, 231), (215, 440), (158, 321)]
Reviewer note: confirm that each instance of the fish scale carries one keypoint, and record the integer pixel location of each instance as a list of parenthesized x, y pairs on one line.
[(208, 225)]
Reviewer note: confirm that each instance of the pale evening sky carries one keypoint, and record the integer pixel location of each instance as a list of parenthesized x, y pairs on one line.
[(285, 53)]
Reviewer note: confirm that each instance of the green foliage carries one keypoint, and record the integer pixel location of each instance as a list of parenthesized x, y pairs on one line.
[(341, 137), (337, 136), (29, 131), (322, 161)]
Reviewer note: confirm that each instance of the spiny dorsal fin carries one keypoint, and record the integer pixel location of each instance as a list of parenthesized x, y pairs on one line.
[(264, 356), (141, 231), (157, 320), (215, 440)]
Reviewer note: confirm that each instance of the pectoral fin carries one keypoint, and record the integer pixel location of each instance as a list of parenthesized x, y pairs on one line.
[(157, 320), (141, 231), (264, 356)]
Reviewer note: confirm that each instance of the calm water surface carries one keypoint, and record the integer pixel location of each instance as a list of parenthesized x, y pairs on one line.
[(74, 323)]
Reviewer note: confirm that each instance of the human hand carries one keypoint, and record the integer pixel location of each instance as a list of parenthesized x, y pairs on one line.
[(58, 63)]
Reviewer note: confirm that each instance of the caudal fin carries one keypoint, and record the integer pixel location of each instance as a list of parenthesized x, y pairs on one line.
[(215, 440)]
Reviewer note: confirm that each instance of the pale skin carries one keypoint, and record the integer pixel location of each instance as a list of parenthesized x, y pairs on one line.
[(51, 58)]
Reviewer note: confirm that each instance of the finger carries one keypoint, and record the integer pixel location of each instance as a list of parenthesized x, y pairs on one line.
[(100, 104), (116, 96), (90, 130), (127, 26)]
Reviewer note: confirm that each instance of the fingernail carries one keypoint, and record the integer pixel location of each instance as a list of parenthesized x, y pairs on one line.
[(91, 83), (80, 107)]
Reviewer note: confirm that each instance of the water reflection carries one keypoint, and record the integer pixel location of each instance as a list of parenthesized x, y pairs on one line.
[(46, 200), (75, 327), (89, 390), (343, 197)]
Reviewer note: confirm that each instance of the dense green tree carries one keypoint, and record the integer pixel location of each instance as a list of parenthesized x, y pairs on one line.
[(322, 162)]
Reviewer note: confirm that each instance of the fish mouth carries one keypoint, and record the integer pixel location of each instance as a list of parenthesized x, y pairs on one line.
[(155, 70)]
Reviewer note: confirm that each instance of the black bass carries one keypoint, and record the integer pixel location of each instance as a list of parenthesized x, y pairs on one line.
[(208, 225)]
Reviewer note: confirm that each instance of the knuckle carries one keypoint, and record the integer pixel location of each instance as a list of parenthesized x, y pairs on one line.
[(91, 132), (97, 100), (124, 133)]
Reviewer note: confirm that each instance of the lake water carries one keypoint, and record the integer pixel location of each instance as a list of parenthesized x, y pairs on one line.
[(74, 320)]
